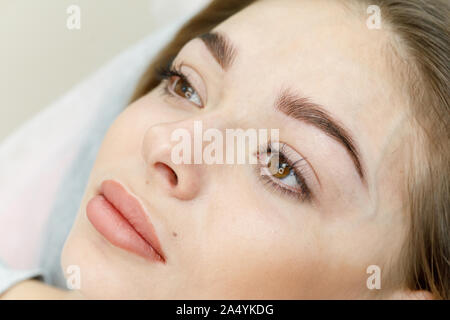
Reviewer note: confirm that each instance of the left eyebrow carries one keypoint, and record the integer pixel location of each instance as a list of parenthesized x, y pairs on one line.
[(302, 109), (220, 48)]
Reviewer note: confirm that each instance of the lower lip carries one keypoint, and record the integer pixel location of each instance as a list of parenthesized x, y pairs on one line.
[(116, 229)]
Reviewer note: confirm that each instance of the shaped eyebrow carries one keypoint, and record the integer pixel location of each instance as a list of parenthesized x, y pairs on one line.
[(303, 109), (220, 48)]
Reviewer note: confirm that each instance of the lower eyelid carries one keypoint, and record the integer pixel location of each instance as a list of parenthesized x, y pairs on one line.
[(285, 190), (265, 177)]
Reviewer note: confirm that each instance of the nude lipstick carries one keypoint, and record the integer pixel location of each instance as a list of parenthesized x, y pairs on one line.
[(123, 221)]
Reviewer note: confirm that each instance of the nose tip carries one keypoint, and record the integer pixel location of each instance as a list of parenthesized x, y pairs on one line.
[(178, 180)]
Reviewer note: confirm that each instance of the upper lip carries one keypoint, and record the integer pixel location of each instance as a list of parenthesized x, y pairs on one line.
[(133, 211)]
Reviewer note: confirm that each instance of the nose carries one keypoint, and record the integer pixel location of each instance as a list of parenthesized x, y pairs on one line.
[(179, 180)]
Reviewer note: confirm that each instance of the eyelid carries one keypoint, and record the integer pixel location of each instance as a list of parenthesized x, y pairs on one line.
[(308, 172), (311, 168), (196, 80), (303, 192)]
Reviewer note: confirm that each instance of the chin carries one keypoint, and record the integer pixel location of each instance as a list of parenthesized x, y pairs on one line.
[(108, 272)]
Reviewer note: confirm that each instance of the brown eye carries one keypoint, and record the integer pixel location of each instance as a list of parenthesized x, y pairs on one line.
[(284, 169), (279, 170), (183, 88)]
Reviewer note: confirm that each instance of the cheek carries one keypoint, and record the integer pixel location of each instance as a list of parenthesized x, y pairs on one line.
[(124, 135), (260, 260), (251, 249)]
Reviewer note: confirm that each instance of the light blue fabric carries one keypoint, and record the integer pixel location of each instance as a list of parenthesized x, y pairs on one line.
[(71, 192), (10, 277)]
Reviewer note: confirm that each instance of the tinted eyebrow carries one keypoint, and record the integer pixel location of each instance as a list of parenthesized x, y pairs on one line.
[(302, 109), (220, 47)]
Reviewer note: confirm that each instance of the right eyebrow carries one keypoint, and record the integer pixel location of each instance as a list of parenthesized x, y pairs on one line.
[(220, 48), (303, 109)]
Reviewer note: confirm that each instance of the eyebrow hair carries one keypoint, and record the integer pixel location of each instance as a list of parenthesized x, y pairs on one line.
[(220, 47), (302, 109)]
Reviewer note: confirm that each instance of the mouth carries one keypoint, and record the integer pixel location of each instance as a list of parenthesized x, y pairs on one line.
[(122, 220)]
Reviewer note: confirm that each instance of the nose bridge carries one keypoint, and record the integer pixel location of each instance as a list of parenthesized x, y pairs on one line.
[(155, 141), (159, 139)]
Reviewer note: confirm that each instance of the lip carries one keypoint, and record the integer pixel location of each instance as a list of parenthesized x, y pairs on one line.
[(122, 220)]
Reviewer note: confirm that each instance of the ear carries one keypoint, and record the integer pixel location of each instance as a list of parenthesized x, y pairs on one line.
[(406, 294)]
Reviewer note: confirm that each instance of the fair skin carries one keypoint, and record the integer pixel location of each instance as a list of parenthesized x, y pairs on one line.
[(225, 233)]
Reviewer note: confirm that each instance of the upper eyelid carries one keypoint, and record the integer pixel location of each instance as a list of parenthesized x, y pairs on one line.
[(304, 170), (298, 170), (304, 190), (306, 160)]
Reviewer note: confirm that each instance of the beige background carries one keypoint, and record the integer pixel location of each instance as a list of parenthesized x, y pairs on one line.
[(40, 59)]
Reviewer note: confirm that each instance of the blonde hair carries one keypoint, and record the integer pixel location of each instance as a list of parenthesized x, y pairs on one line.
[(423, 29)]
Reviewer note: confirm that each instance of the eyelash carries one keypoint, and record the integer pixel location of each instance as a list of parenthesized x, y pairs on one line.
[(166, 72), (304, 192)]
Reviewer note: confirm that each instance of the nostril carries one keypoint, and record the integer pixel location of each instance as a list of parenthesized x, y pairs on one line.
[(167, 172)]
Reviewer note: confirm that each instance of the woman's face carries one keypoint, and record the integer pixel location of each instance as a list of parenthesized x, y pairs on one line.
[(314, 71)]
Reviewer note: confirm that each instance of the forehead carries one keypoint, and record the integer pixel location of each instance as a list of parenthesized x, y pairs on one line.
[(322, 46)]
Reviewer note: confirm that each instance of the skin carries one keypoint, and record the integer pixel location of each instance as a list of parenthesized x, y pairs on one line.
[(225, 233)]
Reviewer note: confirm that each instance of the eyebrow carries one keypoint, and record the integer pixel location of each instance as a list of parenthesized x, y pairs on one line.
[(292, 105), (220, 48), (303, 109)]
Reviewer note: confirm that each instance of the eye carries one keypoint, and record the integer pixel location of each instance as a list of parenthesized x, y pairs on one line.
[(177, 84), (280, 169), (283, 169), (181, 87)]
